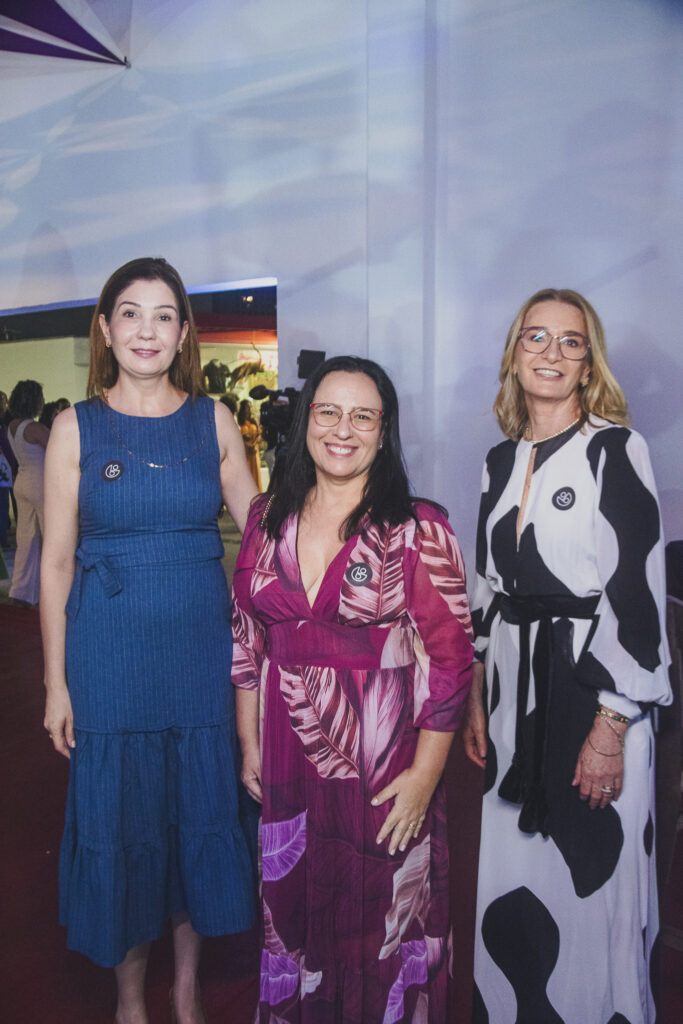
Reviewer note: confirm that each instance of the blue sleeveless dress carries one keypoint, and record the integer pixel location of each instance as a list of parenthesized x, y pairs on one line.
[(152, 821)]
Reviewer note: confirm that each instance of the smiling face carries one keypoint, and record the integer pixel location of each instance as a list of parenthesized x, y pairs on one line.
[(342, 452), (144, 330), (549, 376)]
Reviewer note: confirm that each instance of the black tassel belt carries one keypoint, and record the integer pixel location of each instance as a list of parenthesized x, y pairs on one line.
[(523, 782)]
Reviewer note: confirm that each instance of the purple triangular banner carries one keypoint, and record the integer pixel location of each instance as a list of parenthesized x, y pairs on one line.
[(15, 43), (48, 16)]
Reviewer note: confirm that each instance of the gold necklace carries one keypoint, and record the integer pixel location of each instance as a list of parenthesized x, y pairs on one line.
[(145, 462), (528, 437)]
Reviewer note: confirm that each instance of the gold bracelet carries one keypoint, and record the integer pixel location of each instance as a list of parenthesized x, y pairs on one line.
[(614, 715), (616, 732), (602, 752)]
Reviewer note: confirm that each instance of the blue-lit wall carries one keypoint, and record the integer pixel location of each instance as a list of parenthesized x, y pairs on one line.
[(409, 170)]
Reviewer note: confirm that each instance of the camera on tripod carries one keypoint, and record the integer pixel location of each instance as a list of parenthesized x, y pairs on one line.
[(277, 412)]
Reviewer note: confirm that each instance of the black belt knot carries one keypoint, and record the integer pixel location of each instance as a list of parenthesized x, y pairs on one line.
[(524, 781)]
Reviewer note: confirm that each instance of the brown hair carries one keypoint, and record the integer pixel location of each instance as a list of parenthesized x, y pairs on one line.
[(185, 371), (601, 396), (26, 401)]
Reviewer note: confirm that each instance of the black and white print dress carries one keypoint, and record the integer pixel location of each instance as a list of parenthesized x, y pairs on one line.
[(570, 616)]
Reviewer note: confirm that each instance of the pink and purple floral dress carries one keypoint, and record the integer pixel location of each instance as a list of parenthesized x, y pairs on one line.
[(352, 935)]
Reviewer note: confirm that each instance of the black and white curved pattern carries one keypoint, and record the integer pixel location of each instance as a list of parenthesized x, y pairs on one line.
[(566, 923)]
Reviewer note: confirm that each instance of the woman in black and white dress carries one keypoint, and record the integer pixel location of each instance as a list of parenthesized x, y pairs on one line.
[(569, 615)]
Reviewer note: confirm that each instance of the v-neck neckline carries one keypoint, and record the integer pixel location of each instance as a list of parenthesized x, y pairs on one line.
[(326, 573)]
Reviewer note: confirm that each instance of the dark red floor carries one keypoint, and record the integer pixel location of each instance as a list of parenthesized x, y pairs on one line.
[(43, 983)]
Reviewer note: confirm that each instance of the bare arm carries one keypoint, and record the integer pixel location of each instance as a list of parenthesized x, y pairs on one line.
[(37, 433), (413, 789), (57, 565), (237, 484), (474, 730)]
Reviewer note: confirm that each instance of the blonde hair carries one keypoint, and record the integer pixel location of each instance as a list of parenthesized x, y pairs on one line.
[(601, 396), (185, 371)]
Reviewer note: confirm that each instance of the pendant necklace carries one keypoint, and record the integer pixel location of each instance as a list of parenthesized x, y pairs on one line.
[(146, 462)]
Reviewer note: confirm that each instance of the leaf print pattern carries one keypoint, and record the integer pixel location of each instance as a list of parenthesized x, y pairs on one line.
[(398, 647), (411, 897), (247, 650), (440, 554), (283, 844), (421, 678), (309, 979), (421, 1014), (383, 598), (272, 940), (339, 692), (413, 972), (263, 571), (286, 561), (279, 978), (436, 950), (386, 706), (324, 720), (282, 972)]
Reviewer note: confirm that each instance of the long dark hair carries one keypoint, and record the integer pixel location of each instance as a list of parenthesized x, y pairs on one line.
[(244, 413), (386, 499), (185, 370), (26, 401)]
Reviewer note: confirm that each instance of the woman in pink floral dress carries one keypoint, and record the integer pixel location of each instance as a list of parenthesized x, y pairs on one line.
[(353, 653)]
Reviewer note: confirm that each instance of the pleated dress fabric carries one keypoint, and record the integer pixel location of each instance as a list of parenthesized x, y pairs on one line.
[(153, 809)]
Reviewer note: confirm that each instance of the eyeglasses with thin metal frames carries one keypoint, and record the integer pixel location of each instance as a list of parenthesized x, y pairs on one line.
[(327, 414), (573, 344)]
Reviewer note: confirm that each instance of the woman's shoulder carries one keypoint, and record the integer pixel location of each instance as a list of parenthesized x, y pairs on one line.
[(501, 458), (87, 407), (258, 508), (508, 444), (429, 511), (615, 445), (601, 432)]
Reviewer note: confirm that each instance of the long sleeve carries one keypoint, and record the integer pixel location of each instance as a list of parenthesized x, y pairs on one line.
[(437, 604), (247, 632), (495, 475), (626, 655)]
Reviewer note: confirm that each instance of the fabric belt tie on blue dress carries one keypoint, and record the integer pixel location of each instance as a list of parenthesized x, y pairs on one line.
[(106, 575), (174, 547), (523, 782)]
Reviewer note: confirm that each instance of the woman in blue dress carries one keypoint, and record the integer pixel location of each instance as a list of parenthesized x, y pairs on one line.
[(136, 632)]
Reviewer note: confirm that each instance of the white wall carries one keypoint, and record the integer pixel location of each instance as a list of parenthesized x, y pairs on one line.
[(409, 170), (58, 364)]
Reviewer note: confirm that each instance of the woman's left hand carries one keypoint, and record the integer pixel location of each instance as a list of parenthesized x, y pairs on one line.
[(600, 772), (412, 791)]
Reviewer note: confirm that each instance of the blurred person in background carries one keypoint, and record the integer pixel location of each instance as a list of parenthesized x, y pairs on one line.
[(28, 440), (8, 467), (251, 435)]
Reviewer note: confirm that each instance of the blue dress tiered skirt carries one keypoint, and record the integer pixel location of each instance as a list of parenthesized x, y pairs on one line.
[(153, 811)]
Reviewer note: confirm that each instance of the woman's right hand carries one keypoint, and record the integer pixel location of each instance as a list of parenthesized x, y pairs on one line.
[(251, 772), (59, 720), (474, 729)]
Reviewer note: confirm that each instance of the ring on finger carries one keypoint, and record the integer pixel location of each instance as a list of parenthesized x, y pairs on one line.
[(607, 790)]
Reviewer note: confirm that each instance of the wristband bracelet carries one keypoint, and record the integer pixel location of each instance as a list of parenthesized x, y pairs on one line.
[(614, 715)]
